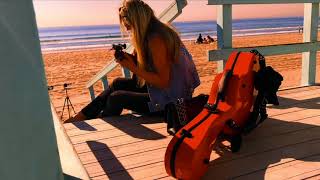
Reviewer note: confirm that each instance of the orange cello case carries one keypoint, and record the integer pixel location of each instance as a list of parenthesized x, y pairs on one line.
[(230, 102)]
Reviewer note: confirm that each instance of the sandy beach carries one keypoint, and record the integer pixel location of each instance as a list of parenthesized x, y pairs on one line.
[(78, 67)]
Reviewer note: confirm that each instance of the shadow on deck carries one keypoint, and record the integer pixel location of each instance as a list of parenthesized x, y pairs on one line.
[(286, 146)]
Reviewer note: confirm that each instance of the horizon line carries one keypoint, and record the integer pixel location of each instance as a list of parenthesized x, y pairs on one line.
[(203, 20)]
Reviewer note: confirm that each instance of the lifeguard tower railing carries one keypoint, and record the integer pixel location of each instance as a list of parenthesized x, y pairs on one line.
[(308, 47), (168, 15)]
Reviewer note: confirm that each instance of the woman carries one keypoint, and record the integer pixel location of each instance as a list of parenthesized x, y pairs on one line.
[(162, 67)]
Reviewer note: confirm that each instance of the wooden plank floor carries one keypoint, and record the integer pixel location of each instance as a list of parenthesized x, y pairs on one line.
[(286, 146)]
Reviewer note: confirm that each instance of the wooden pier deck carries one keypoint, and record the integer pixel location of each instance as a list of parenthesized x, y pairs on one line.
[(286, 146)]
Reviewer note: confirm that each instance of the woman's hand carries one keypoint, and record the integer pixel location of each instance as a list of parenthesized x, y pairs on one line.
[(162, 64), (126, 61)]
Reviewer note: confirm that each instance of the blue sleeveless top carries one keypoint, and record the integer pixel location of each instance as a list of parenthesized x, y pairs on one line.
[(184, 79)]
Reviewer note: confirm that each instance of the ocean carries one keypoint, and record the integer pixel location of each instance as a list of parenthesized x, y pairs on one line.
[(65, 38)]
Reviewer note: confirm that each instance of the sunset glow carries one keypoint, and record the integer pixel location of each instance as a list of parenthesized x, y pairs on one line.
[(95, 12)]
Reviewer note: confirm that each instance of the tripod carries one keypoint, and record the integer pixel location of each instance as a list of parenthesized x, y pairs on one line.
[(67, 102)]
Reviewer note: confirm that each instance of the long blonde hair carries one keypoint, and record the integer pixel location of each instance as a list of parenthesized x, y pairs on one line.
[(141, 18)]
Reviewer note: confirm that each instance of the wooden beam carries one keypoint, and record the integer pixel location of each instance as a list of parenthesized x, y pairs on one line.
[(221, 2), (173, 11), (224, 31), (215, 55), (29, 147), (310, 32)]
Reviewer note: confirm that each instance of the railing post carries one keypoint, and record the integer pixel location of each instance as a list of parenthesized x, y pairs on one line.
[(104, 80), (310, 32), (224, 30), (91, 90), (126, 73)]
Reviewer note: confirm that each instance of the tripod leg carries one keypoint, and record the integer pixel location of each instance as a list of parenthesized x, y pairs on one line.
[(72, 106), (68, 106), (64, 104)]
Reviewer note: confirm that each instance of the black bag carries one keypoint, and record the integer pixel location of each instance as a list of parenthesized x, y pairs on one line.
[(268, 81), (181, 112)]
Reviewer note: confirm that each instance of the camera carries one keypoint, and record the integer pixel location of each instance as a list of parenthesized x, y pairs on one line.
[(119, 50), (65, 85), (119, 47)]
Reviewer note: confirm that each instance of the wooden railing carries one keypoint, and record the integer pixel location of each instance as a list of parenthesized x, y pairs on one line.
[(308, 48), (168, 15)]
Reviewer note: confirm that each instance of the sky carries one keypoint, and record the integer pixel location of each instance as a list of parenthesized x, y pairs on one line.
[(53, 13)]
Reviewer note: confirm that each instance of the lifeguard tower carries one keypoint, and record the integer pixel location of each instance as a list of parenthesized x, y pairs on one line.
[(35, 145)]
